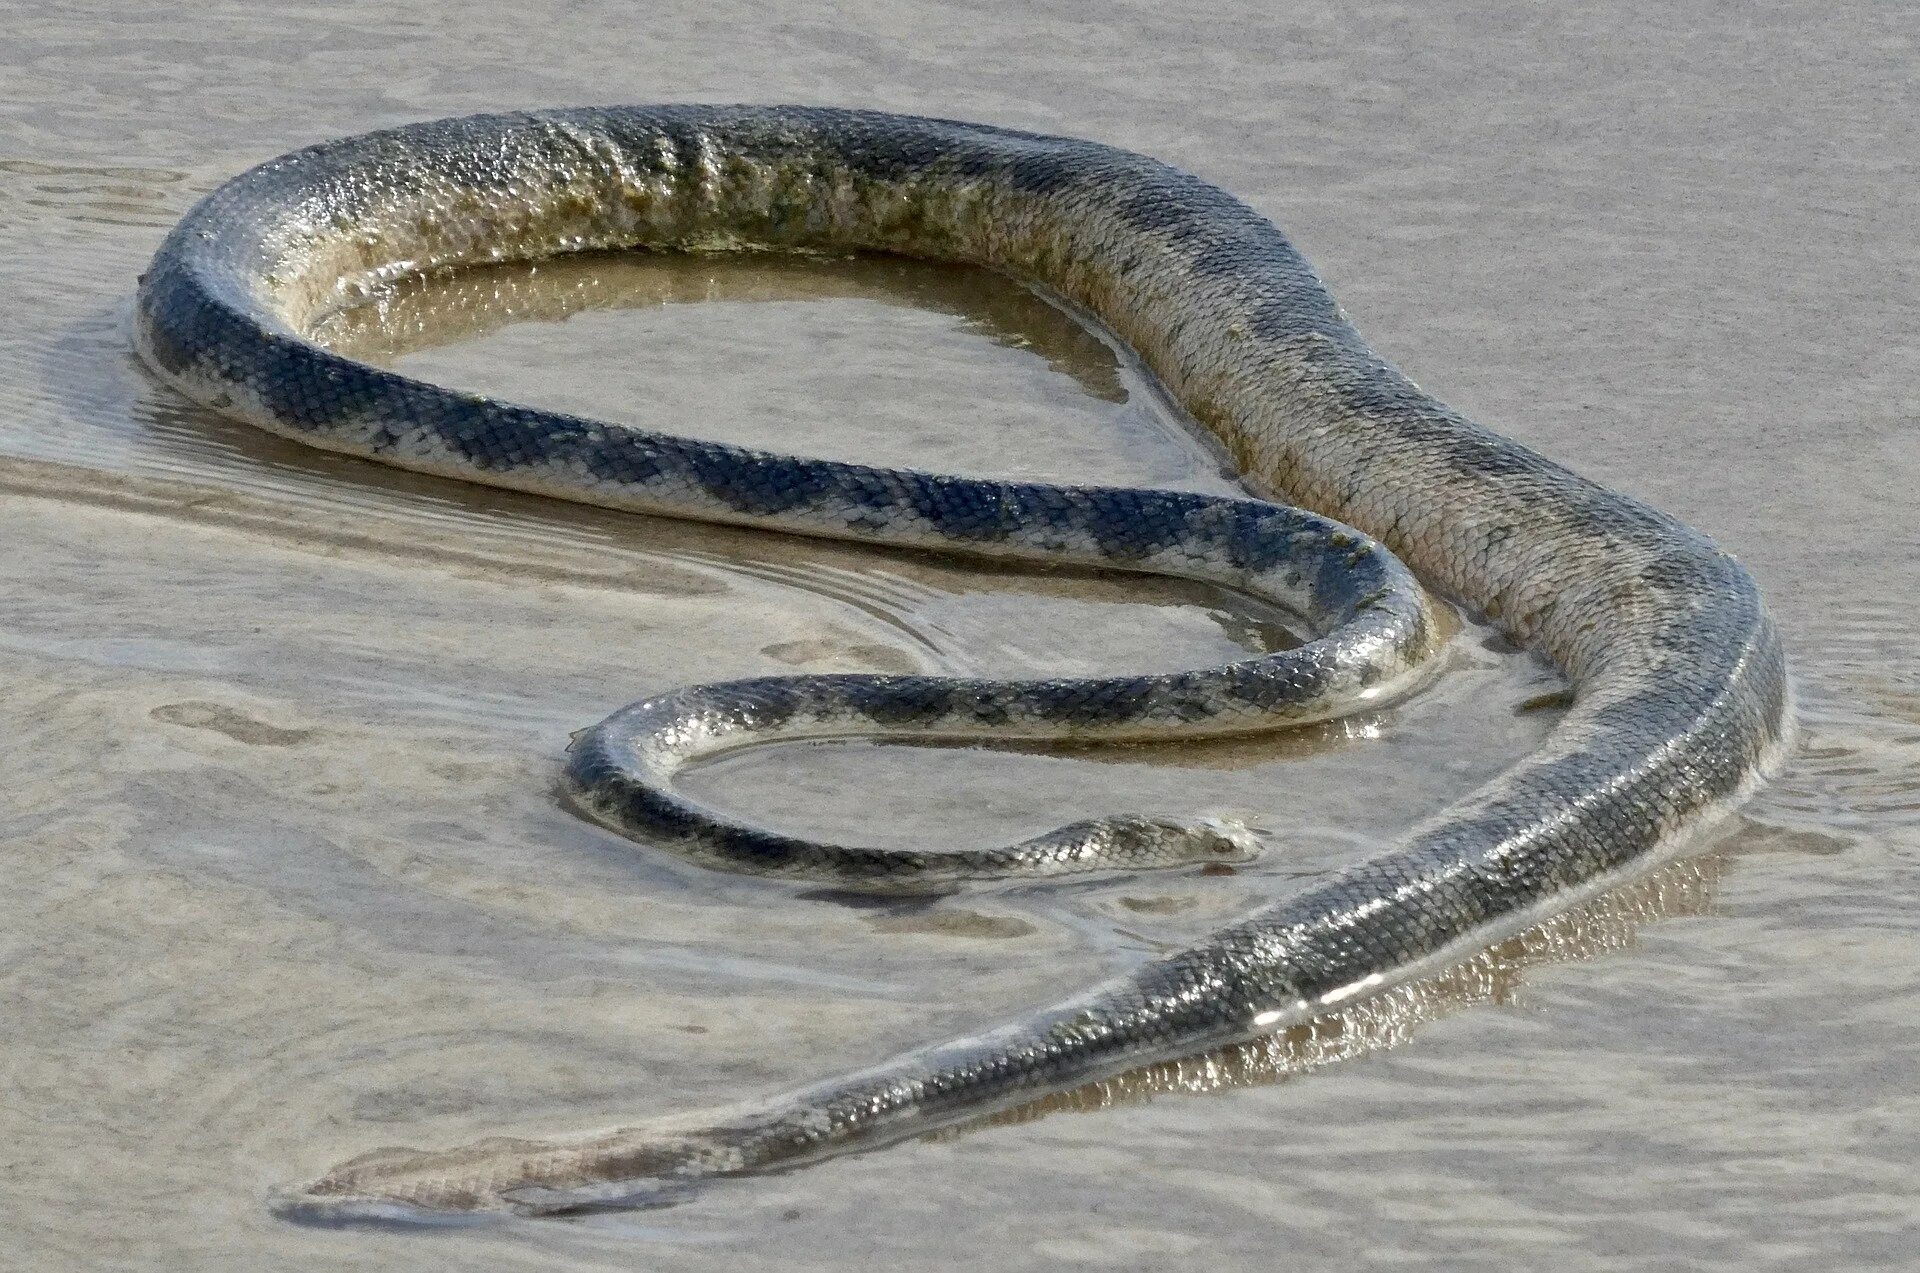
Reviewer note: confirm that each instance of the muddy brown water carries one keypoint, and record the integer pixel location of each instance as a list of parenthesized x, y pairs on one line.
[(285, 873)]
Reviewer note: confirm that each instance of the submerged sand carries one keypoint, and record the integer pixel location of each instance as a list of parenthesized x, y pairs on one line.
[(287, 876)]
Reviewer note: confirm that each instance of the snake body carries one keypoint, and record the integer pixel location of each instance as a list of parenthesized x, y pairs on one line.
[(1680, 697)]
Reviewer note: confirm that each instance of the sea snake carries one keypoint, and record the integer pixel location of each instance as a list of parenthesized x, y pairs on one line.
[(1679, 702)]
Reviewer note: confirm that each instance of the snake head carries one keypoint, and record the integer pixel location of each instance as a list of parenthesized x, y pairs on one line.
[(1136, 842)]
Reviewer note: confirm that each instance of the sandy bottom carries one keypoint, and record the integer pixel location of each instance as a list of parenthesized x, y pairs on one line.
[(287, 878)]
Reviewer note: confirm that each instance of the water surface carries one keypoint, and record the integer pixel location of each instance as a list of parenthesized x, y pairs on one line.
[(287, 875)]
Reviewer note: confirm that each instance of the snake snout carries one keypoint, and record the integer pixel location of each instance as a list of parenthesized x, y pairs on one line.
[(1227, 839)]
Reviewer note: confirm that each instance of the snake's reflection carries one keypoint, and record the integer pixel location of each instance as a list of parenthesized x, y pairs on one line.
[(425, 312)]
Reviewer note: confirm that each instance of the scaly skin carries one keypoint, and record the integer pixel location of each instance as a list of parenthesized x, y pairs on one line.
[(1680, 694)]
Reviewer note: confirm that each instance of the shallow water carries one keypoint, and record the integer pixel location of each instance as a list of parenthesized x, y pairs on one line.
[(287, 877)]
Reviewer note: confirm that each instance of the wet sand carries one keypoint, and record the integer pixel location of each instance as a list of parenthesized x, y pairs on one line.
[(288, 878)]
